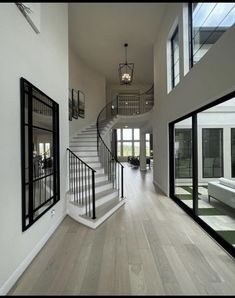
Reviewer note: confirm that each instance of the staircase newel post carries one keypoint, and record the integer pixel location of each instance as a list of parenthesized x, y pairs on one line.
[(122, 181), (93, 195)]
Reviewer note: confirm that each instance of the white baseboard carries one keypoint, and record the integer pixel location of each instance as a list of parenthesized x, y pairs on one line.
[(21, 268), (160, 188)]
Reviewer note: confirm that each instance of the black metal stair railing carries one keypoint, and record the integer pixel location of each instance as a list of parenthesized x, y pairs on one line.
[(82, 183), (112, 167), (134, 104), (128, 105)]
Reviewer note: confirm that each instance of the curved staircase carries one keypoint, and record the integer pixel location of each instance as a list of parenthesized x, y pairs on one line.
[(107, 197), (95, 174)]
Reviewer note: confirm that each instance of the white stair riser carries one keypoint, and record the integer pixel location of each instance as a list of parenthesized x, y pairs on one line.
[(76, 147), (97, 179), (87, 159), (85, 153), (90, 134), (98, 189), (90, 164), (86, 140), (72, 212), (97, 171), (92, 137), (106, 198), (103, 200), (85, 143)]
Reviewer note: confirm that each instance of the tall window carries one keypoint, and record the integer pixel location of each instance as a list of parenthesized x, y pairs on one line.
[(147, 140), (208, 22), (183, 153), (175, 74), (212, 152), (128, 142)]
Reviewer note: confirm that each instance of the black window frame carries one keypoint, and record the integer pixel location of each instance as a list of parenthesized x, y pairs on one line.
[(232, 129), (222, 153), (193, 212), (185, 129), (176, 32), (28, 218), (190, 33)]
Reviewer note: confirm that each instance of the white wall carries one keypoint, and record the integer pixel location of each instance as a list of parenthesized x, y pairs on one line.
[(43, 60), (92, 84), (211, 78)]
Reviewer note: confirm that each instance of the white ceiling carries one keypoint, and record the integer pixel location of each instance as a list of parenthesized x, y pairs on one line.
[(98, 31)]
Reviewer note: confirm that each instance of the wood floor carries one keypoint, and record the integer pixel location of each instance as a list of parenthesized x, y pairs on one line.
[(149, 246)]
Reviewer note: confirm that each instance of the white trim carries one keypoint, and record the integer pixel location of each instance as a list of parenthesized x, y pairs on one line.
[(25, 263)]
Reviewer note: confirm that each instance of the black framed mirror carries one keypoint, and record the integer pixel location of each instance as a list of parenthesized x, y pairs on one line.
[(39, 153)]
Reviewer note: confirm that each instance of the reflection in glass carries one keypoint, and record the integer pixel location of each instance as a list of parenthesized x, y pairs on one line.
[(212, 142), (209, 22), (183, 153), (42, 115), (216, 187), (40, 168), (175, 58), (183, 161), (42, 152)]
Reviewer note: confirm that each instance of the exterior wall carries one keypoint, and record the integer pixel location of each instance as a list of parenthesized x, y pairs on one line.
[(43, 60), (82, 77), (211, 78)]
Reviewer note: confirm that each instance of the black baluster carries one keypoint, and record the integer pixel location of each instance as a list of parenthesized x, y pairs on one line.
[(93, 195), (73, 178), (89, 192), (122, 181), (69, 174), (79, 181), (82, 186), (76, 180), (86, 189), (118, 180)]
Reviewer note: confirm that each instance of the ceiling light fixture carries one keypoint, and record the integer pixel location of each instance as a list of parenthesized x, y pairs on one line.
[(125, 70)]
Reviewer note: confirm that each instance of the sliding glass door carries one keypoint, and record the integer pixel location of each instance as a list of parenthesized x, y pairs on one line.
[(233, 152), (212, 151), (202, 168), (183, 161)]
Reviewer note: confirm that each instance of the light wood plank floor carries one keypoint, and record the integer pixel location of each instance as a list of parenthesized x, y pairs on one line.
[(150, 246)]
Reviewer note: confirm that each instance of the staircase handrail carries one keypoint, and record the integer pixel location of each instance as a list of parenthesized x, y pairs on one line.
[(78, 181), (81, 160), (99, 137)]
